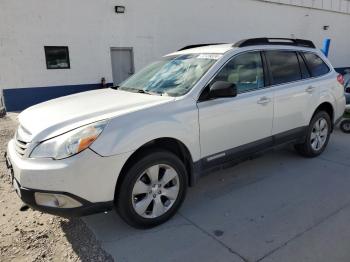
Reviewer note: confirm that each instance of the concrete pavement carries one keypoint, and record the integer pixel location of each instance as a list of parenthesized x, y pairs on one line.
[(279, 207)]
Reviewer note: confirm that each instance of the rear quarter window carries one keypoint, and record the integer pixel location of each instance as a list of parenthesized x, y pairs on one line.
[(316, 65), (305, 73)]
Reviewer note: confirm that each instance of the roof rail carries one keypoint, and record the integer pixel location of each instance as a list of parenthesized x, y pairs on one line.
[(198, 45), (275, 41)]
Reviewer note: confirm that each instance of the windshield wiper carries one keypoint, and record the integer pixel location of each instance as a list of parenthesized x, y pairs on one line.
[(141, 91), (148, 92), (114, 87)]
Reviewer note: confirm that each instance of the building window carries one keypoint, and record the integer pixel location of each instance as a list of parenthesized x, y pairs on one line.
[(57, 57)]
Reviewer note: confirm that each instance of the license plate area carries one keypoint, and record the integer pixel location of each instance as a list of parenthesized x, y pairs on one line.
[(12, 175), (9, 166), (7, 161), (16, 187)]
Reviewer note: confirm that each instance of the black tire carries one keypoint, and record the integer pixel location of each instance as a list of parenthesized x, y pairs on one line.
[(345, 126), (125, 198), (305, 149)]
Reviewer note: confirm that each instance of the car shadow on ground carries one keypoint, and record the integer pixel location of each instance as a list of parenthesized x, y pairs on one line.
[(83, 240)]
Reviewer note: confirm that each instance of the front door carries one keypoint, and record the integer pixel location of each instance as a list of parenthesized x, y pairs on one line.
[(228, 125), (122, 63)]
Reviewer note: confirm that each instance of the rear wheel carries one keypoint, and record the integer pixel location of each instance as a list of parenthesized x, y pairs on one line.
[(345, 126), (317, 136), (152, 189)]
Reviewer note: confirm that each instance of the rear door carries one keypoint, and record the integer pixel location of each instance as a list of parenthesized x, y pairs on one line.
[(293, 93)]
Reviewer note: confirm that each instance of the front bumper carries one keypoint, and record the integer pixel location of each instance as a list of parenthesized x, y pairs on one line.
[(86, 178), (27, 196)]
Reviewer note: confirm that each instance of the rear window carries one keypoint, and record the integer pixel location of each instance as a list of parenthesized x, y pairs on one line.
[(316, 65), (284, 66)]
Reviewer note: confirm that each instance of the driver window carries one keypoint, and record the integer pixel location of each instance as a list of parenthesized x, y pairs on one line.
[(245, 71)]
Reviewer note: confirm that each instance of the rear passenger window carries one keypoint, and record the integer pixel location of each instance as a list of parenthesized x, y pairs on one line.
[(316, 65), (284, 66)]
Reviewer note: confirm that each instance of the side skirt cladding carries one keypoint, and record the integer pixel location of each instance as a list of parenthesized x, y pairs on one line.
[(239, 154)]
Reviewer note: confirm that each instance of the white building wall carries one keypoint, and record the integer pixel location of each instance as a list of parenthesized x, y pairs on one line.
[(153, 28)]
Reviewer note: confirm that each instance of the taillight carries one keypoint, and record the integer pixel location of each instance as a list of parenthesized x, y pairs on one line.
[(340, 79)]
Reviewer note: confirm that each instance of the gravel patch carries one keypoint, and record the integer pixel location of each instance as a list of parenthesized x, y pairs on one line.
[(30, 235)]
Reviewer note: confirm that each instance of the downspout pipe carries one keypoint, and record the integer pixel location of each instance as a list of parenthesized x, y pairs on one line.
[(326, 45)]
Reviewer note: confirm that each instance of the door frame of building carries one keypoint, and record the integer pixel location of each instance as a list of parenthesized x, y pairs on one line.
[(131, 49)]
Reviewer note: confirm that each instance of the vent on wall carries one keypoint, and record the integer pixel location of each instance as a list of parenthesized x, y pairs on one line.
[(342, 6)]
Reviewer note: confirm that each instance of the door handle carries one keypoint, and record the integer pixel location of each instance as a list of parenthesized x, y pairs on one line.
[(310, 89), (264, 100)]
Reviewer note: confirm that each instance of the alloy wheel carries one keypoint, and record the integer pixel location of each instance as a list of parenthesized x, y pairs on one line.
[(319, 134), (155, 191)]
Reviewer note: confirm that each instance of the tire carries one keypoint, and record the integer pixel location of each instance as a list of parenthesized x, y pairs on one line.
[(316, 140), (345, 126), (146, 198)]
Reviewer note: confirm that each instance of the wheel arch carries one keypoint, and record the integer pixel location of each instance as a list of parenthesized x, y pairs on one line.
[(327, 107), (173, 145)]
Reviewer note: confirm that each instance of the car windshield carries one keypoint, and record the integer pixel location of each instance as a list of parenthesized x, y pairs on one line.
[(173, 75)]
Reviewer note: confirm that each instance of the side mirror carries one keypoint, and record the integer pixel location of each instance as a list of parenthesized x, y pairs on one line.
[(222, 89)]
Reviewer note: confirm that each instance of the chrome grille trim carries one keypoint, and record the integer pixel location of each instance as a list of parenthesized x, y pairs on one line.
[(20, 145)]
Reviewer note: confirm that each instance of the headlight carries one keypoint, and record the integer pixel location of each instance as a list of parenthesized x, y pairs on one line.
[(70, 143)]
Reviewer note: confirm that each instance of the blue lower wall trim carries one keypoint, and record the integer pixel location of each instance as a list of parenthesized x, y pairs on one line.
[(18, 99)]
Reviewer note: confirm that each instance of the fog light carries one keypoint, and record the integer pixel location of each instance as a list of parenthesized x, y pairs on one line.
[(55, 200)]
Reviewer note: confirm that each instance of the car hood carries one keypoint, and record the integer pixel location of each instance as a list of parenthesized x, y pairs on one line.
[(57, 116)]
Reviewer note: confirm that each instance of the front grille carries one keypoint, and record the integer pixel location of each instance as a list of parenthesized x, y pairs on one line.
[(21, 147), (22, 138)]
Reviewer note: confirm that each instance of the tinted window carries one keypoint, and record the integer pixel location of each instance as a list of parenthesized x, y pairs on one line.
[(245, 71), (284, 66), (57, 57), (303, 68), (316, 65)]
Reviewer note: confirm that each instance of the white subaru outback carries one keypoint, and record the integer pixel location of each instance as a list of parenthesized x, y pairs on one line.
[(140, 145)]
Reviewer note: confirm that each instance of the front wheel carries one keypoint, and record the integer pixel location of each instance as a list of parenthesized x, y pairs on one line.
[(317, 136), (345, 126), (152, 189)]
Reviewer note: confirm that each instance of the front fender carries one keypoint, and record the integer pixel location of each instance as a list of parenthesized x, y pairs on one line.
[(129, 132)]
